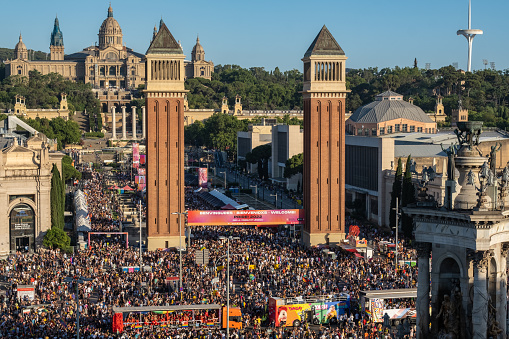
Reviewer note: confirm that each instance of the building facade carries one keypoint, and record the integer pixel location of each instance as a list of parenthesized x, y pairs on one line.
[(388, 114), (199, 67), (164, 95), (21, 109), (25, 176), (110, 64), (324, 93)]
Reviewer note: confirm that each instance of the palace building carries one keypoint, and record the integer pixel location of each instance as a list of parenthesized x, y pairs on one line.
[(108, 65)]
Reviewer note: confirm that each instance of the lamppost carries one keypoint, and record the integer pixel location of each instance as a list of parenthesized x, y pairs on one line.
[(228, 285), (397, 227), (275, 195), (77, 281), (224, 172), (141, 257), (180, 214), (256, 191)]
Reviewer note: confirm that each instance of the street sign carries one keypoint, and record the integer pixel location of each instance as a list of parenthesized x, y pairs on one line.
[(202, 257)]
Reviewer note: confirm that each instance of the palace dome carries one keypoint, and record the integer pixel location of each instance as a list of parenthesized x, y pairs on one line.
[(389, 106), (20, 51), (110, 33), (198, 53)]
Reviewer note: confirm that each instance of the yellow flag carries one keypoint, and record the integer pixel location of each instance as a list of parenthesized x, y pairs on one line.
[(220, 268), (251, 267), (276, 266)]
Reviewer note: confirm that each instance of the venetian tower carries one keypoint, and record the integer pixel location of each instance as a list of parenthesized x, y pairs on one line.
[(56, 45), (324, 93), (164, 95)]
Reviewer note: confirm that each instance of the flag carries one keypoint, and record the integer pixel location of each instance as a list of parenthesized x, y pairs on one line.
[(305, 280), (251, 267)]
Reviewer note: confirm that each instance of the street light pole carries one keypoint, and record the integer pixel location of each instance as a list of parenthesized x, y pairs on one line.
[(397, 226), (228, 291), (180, 251), (256, 191), (141, 258), (275, 195)]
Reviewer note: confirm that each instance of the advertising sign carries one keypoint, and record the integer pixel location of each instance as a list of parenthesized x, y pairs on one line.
[(202, 177), (26, 291), (136, 155), (245, 217), (314, 313), (377, 310), (143, 159), (142, 171)]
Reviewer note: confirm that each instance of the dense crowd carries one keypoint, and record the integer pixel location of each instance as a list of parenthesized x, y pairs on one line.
[(264, 263)]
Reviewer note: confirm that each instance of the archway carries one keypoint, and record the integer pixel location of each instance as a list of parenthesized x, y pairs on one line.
[(22, 228)]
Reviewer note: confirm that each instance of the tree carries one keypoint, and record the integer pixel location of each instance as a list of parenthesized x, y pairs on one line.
[(57, 196), (68, 170), (396, 193), (408, 197), (294, 165), (56, 238), (261, 155)]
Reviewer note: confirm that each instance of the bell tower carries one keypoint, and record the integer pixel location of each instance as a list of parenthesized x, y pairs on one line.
[(324, 93), (165, 96), (56, 45)]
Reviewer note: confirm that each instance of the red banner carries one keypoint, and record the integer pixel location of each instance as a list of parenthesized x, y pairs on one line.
[(202, 177), (245, 217)]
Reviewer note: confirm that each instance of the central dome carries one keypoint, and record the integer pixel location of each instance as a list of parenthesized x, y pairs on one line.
[(110, 33)]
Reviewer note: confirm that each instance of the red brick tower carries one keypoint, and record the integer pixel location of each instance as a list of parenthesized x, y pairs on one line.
[(324, 94), (164, 95)]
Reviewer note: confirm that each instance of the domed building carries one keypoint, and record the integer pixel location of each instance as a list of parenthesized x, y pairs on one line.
[(388, 114), (198, 67), (110, 64)]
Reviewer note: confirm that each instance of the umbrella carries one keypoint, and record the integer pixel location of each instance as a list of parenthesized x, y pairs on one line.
[(127, 188)]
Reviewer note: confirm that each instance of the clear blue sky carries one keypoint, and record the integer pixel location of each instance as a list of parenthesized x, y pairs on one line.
[(264, 33)]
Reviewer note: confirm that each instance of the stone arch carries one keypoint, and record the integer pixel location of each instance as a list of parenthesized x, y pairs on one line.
[(22, 231)]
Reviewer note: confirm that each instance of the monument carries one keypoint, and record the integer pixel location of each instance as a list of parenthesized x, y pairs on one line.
[(468, 241)]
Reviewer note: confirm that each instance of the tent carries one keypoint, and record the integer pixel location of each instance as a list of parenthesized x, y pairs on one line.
[(228, 207), (127, 188), (115, 187)]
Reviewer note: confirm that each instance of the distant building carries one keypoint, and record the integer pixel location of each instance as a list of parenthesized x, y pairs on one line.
[(458, 115), (439, 114), (388, 114), (198, 67), (287, 141), (21, 109), (107, 65), (257, 135)]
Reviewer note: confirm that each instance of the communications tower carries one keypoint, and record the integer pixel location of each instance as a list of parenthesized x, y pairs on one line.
[(469, 34)]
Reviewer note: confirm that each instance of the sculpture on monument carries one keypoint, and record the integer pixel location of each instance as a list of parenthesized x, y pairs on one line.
[(450, 319), (493, 157), (451, 153)]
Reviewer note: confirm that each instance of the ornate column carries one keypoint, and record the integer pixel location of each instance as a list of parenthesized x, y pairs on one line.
[(423, 286), (113, 123), (134, 121), (124, 123), (143, 125), (501, 290), (481, 298)]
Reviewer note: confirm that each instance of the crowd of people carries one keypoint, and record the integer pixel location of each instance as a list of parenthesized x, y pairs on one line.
[(264, 263)]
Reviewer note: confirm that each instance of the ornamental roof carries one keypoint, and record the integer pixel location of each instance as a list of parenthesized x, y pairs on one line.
[(324, 44), (164, 43)]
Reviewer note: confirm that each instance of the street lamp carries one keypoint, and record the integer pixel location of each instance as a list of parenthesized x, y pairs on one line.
[(256, 190), (275, 195), (180, 214), (397, 226), (224, 172), (228, 285), (77, 281), (141, 258)]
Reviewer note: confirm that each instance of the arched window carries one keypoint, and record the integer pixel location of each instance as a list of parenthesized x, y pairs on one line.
[(22, 228)]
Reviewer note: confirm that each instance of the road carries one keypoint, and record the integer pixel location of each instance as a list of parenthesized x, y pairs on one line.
[(263, 195)]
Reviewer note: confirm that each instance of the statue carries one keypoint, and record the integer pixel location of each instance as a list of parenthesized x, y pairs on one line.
[(493, 157), (493, 326), (451, 153), (412, 166), (450, 317), (505, 176), (470, 178)]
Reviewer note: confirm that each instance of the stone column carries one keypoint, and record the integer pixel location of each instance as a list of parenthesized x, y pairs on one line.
[(113, 123), (423, 286), (501, 291), (134, 121), (480, 305), (143, 124), (124, 124)]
